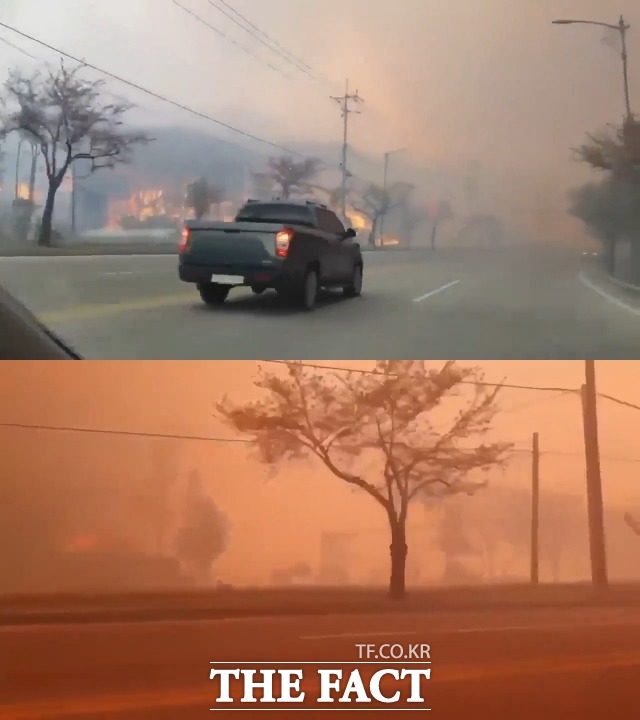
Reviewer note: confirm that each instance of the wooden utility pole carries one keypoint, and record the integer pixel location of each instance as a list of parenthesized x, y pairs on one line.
[(345, 102), (535, 510), (594, 481)]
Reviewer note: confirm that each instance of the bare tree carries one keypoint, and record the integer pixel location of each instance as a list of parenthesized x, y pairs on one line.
[(333, 197), (443, 213), (65, 116), (203, 534), (348, 420), (291, 175), (201, 195), (413, 217), (376, 202), (455, 542)]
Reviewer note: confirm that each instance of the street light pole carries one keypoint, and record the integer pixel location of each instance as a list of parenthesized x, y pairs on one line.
[(621, 28), (625, 64)]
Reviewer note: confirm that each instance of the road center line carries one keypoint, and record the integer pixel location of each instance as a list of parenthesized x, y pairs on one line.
[(428, 295)]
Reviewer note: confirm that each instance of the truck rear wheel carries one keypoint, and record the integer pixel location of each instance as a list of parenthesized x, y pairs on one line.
[(309, 290), (213, 294)]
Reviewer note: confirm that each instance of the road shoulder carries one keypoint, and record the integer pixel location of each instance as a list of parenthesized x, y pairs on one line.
[(595, 278)]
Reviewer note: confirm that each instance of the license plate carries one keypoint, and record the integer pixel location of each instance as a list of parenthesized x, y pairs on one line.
[(227, 279)]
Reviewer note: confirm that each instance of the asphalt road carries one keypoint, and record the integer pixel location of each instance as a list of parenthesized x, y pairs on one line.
[(517, 303), (524, 664)]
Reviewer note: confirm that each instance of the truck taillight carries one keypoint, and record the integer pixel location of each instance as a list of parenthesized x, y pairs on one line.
[(283, 240), (185, 240)]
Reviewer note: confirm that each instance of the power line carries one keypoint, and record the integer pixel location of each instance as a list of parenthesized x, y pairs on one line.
[(125, 433), (618, 401), (283, 50), (509, 386), (575, 453), (478, 383), (151, 93), (18, 48), (121, 98), (232, 441), (537, 401), (277, 50), (222, 34)]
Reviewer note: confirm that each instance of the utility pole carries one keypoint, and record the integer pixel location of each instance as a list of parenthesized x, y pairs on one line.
[(594, 481), (345, 103), (535, 510)]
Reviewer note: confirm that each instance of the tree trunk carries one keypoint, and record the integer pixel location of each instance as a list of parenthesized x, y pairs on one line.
[(44, 237), (372, 234), (398, 550)]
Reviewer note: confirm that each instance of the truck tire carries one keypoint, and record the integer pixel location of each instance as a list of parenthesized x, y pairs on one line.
[(213, 294), (354, 288), (309, 291)]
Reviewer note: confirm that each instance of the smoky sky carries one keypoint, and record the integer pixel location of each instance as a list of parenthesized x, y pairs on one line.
[(485, 80)]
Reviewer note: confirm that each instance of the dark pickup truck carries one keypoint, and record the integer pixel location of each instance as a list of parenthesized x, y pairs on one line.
[(294, 247)]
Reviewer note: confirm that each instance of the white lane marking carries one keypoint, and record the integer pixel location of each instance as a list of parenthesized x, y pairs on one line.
[(606, 296), (428, 295), (131, 273)]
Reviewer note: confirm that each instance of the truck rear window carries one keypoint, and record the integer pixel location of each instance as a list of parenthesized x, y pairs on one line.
[(276, 213)]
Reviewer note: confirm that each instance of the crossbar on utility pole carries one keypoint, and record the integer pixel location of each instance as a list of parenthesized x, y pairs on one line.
[(535, 510), (346, 108)]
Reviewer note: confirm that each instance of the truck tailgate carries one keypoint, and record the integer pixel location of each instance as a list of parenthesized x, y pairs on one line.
[(232, 244)]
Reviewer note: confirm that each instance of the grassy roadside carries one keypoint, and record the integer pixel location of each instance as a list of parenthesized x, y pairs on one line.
[(195, 605)]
